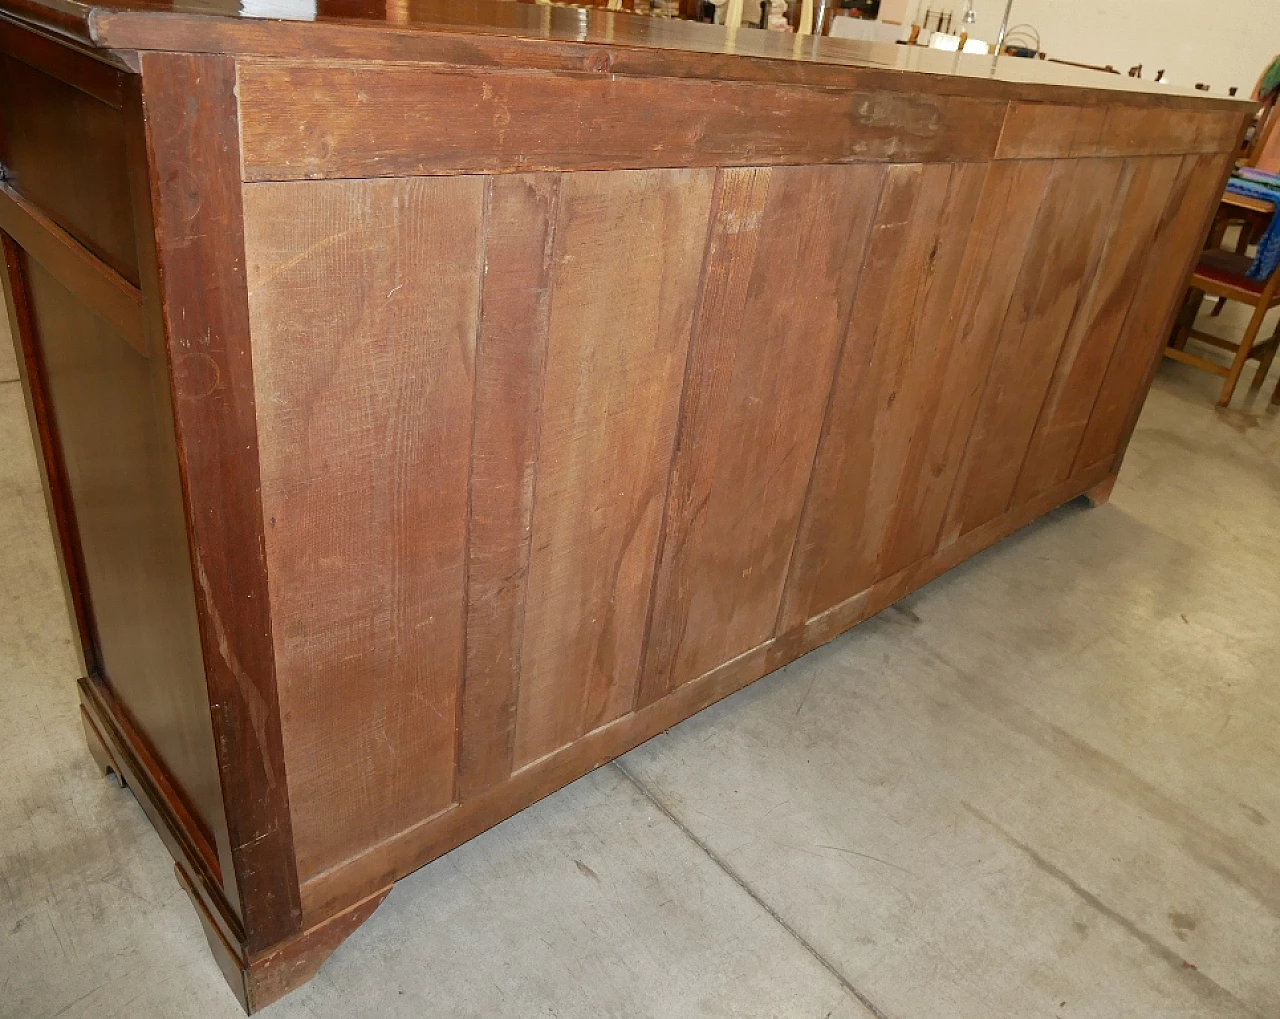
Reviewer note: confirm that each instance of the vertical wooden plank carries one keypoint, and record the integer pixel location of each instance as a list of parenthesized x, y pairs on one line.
[(997, 245), (1066, 241), (511, 350), (628, 252), (192, 145), (895, 339), (725, 559), (1186, 220), (363, 298), (1096, 328), (736, 220)]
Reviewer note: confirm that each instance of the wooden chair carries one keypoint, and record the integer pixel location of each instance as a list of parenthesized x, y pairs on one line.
[(1222, 274)]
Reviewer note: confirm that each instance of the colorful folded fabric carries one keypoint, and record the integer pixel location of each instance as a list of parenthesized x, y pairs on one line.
[(1267, 259)]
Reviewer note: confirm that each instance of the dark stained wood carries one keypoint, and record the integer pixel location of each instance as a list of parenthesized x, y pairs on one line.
[(1087, 350), (1064, 247), (130, 544), (757, 400), (391, 120), (191, 131), (363, 301), (43, 143), (520, 216), (89, 71), (115, 300), (628, 252)]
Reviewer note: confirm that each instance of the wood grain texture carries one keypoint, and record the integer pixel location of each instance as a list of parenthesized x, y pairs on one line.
[(363, 299), (521, 212), (1144, 192), (769, 329), (436, 836), (1194, 194), (895, 346), (353, 120), (1063, 250), (200, 321), (628, 252)]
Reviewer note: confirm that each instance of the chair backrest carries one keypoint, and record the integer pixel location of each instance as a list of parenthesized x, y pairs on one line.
[(1267, 122)]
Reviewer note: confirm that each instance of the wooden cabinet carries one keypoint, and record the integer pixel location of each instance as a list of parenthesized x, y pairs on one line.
[(434, 407)]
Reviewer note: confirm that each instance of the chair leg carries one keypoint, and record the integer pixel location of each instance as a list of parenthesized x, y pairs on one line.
[(1186, 319), (1242, 355), (1264, 363)]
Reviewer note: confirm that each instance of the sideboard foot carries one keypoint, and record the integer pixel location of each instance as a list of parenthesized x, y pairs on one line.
[(1100, 493), (98, 749), (261, 979)]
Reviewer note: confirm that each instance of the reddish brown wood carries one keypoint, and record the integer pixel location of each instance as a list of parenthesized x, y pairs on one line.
[(1078, 377), (754, 410), (364, 415), (1062, 248), (43, 142), (918, 242), (613, 371), (520, 218), (390, 120), (629, 248), (191, 150), (1136, 355), (116, 301)]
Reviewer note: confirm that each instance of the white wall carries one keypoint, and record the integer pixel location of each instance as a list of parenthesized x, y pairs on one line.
[(1222, 42)]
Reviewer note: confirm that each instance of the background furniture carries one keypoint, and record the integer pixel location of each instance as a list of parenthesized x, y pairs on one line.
[(434, 407), (1223, 274)]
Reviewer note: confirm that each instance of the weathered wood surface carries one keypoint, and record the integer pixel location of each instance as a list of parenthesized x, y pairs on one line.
[(420, 437)]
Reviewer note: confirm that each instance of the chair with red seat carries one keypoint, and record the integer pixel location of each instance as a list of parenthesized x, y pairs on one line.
[(1224, 274)]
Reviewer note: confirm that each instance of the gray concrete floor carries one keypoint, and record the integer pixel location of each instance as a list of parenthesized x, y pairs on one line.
[(1045, 785)]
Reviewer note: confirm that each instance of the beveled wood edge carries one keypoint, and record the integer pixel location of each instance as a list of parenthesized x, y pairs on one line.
[(158, 799), (216, 436), (99, 73), (379, 866), (113, 298), (137, 30)]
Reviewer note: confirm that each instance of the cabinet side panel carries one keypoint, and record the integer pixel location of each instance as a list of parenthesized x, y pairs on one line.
[(363, 300), (124, 490)]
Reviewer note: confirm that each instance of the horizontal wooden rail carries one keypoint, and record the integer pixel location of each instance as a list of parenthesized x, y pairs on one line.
[(117, 301)]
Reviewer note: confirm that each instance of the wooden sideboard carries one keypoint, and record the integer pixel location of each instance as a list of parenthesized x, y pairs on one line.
[(437, 402)]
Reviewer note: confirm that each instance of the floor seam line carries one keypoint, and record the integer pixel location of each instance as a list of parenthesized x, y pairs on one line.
[(738, 880)]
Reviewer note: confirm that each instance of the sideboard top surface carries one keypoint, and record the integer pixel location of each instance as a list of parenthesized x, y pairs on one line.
[(504, 33)]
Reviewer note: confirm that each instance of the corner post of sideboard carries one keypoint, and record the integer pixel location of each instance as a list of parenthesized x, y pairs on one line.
[(188, 169)]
